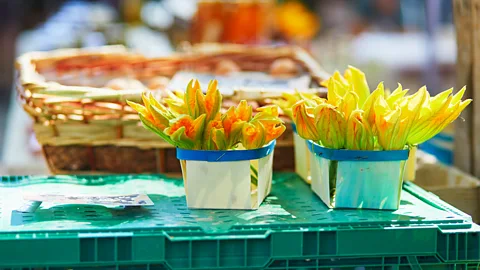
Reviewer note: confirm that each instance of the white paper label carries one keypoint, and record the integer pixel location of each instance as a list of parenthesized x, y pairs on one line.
[(117, 200)]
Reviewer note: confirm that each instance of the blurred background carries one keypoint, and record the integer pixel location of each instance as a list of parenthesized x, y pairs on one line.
[(408, 41)]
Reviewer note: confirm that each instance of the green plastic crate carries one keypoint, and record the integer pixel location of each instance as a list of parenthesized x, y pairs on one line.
[(293, 229)]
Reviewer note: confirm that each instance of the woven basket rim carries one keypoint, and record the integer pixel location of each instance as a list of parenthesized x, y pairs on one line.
[(30, 79)]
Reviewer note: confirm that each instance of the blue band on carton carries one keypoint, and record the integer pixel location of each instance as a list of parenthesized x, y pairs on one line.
[(294, 128), (225, 156), (356, 155)]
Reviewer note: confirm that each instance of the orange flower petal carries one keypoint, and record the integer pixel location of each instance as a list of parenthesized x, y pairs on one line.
[(253, 135), (243, 111), (213, 99)]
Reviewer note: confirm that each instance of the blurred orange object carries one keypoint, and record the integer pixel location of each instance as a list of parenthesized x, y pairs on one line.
[(131, 10), (295, 22), (236, 21)]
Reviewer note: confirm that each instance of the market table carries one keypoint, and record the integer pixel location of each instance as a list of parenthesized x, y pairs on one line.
[(292, 229)]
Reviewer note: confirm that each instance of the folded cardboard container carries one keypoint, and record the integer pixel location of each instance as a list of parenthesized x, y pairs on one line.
[(451, 185)]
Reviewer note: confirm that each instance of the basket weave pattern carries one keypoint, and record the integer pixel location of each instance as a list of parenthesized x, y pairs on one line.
[(85, 127)]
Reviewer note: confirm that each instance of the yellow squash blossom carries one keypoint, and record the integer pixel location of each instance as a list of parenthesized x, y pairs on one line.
[(153, 115), (186, 130), (305, 122), (336, 92), (253, 135), (348, 104), (394, 125), (359, 133), (443, 110), (387, 123), (175, 103), (218, 138), (272, 125), (213, 100), (210, 138), (330, 125), (369, 108), (193, 120), (357, 80), (289, 99), (354, 118), (234, 119), (194, 99)]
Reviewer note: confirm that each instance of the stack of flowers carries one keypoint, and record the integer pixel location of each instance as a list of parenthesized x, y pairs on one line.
[(356, 137), (353, 118), (194, 121), (231, 151)]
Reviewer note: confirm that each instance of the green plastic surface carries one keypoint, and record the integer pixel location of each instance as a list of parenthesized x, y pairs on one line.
[(292, 229)]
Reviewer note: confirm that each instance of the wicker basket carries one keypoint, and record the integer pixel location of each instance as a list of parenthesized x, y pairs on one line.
[(84, 127)]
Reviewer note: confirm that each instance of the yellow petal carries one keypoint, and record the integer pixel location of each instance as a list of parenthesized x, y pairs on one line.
[(234, 119), (357, 79), (194, 99), (359, 135), (387, 124), (316, 101), (411, 110), (324, 83), (201, 107), (161, 120), (270, 110), (396, 96), (437, 101), (458, 96), (285, 106), (408, 118), (340, 79), (304, 122), (334, 95), (193, 127), (177, 96), (216, 123), (243, 111), (213, 100), (181, 140), (273, 132), (152, 101), (150, 126), (160, 108), (421, 125), (145, 100), (290, 98), (218, 137), (142, 111), (138, 108), (368, 106), (198, 127), (348, 104), (438, 122)]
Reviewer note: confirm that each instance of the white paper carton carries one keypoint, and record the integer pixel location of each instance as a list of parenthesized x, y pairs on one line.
[(411, 166), (302, 157), (357, 179), (216, 180)]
